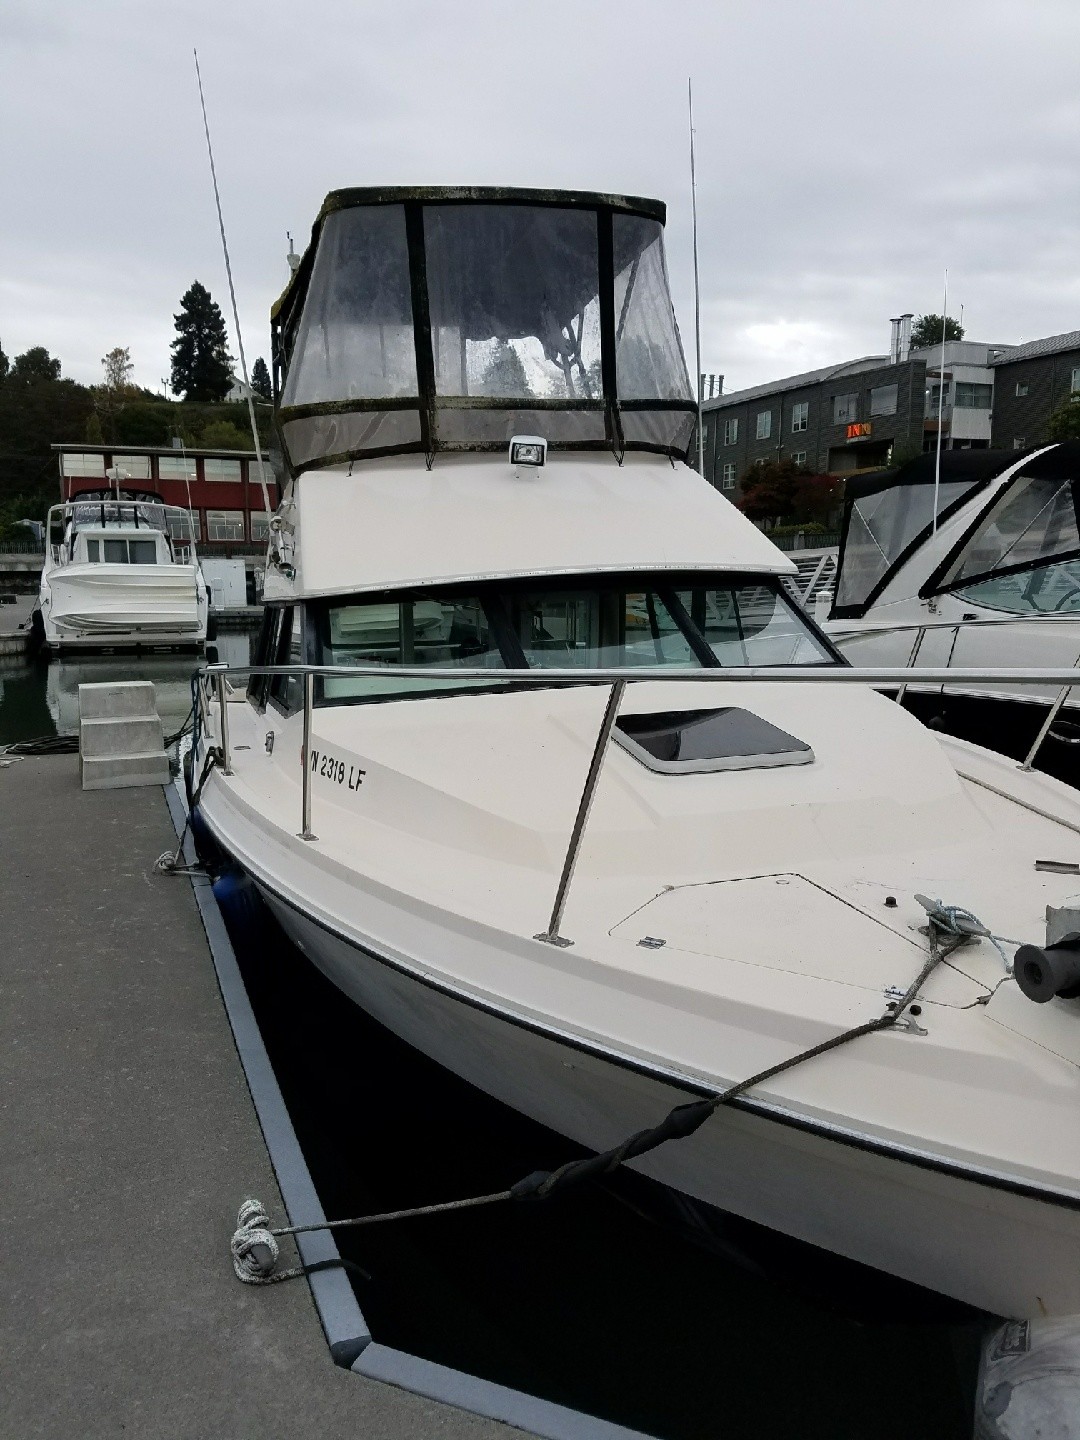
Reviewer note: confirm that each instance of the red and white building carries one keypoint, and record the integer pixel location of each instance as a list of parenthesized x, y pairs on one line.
[(220, 488)]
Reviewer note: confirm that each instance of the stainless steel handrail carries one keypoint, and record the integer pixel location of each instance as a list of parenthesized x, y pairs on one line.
[(618, 679)]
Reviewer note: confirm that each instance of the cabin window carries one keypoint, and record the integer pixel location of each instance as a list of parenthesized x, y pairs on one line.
[(597, 627), (265, 653), (1034, 520), (93, 551), (752, 625), (126, 552), (287, 691), (433, 629)]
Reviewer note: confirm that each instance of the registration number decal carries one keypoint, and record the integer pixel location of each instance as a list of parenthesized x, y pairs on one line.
[(336, 770)]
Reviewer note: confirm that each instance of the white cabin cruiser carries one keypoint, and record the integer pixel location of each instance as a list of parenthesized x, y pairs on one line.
[(116, 578), (994, 583), (485, 413)]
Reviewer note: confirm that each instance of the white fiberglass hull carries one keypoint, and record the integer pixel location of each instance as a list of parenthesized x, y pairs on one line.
[(1030, 642), (977, 1238), (123, 606)]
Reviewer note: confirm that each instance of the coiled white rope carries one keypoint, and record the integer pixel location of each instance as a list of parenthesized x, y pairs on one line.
[(255, 1250)]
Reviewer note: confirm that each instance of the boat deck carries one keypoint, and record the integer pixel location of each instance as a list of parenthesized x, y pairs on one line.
[(126, 1131)]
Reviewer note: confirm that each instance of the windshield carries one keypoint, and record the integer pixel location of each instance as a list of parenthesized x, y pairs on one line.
[(1049, 590), (639, 623)]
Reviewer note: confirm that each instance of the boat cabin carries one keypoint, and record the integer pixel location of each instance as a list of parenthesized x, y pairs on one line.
[(109, 530)]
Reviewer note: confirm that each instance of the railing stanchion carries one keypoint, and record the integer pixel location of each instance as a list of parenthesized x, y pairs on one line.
[(551, 935), (1051, 716), (223, 723), (309, 692), (911, 662)]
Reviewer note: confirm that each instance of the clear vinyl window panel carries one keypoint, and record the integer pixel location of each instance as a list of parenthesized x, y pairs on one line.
[(596, 628), (355, 337), (648, 351), (514, 299), (435, 629), (748, 624), (1035, 520), (880, 528)]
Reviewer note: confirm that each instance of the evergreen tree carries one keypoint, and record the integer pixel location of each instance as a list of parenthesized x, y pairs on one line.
[(4, 364), (260, 379), (927, 331), (505, 374), (201, 364)]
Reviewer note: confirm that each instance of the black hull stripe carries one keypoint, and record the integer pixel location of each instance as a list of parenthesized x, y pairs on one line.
[(690, 1087)]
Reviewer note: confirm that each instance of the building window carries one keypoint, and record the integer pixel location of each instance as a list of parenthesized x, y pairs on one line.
[(75, 464), (1019, 443), (1075, 386), (799, 457), (135, 467), (844, 409), (883, 400), (1022, 389), (727, 481), (260, 525), (224, 525), (221, 470), (800, 414), (731, 432), (937, 397), (970, 396), (175, 467), (764, 425)]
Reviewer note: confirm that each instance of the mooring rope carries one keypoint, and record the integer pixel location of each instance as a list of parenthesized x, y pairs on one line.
[(254, 1244), (168, 862)]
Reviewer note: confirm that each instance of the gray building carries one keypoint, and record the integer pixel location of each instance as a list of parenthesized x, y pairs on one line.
[(1031, 382), (860, 415)]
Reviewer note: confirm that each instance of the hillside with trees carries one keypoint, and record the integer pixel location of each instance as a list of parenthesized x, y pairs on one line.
[(40, 407)]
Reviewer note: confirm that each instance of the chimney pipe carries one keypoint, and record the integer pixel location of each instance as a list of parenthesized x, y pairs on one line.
[(905, 336), (894, 341)]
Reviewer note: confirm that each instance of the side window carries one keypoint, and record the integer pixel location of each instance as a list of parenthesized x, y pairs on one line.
[(265, 654), (287, 691)]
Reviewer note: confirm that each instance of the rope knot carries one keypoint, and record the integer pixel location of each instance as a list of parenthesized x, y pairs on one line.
[(254, 1249)]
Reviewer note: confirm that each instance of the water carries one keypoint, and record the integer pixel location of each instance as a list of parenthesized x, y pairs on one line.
[(588, 1300), (40, 697)]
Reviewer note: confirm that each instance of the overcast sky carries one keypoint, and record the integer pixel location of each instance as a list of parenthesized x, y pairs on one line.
[(847, 152)]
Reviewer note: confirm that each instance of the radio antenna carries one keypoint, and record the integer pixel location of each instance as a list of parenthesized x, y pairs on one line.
[(697, 286), (232, 297), (941, 398)]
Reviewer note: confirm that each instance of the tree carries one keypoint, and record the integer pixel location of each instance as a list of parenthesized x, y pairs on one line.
[(769, 490), (1065, 421), (94, 433), (260, 379), (927, 331), (224, 435), (118, 368), (201, 365), (4, 363), (505, 374), (34, 365)]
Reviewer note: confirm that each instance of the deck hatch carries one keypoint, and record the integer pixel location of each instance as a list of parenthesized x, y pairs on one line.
[(678, 742)]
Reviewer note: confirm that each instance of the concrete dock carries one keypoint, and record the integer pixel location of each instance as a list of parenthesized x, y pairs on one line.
[(15, 624), (127, 1137)]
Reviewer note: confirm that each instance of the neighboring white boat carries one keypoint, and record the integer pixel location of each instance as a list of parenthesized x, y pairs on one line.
[(995, 584), (746, 885), (115, 578)]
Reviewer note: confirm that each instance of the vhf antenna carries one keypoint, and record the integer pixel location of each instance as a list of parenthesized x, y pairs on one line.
[(232, 296), (697, 286)]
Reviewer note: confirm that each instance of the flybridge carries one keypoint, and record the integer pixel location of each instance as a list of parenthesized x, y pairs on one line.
[(428, 320)]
